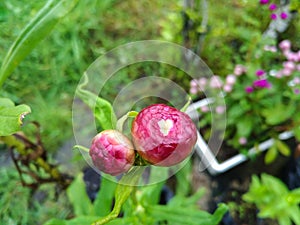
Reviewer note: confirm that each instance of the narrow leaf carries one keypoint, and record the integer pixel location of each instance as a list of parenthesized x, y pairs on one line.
[(271, 154), (282, 147), (37, 29)]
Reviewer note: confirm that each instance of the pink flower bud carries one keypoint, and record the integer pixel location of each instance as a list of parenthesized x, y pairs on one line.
[(163, 135), (286, 72), (202, 83), (260, 73), (273, 16), (285, 45), (204, 108), (112, 152), (263, 83), (194, 90), (296, 80), (264, 2)]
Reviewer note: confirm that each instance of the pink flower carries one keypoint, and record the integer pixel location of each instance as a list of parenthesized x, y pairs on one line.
[(204, 109), (264, 2), (163, 135), (297, 91), (289, 65), (216, 82), (285, 45), (194, 83), (227, 88), (242, 140), (273, 16), (193, 90), (283, 15), (263, 83), (202, 83), (112, 152), (279, 74), (296, 80), (230, 79), (270, 48), (220, 109), (239, 70), (260, 73), (272, 7), (249, 89), (286, 72)]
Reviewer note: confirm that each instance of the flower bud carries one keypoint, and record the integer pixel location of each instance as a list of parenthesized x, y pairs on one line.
[(112, 152), (163, 135)]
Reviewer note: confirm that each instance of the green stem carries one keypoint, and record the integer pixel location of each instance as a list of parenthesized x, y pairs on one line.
[(125, 187)]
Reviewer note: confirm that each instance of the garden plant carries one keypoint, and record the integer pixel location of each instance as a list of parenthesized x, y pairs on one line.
[(143, 158)]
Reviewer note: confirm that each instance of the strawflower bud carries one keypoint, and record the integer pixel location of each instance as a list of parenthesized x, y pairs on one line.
[(163, 135), (112, 152)]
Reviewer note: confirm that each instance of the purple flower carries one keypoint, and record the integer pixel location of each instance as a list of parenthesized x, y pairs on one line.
[(264, 2), (297, 91), (272, 6), (283, 15), (263, 83), (260, 73), (249, 89), (273, 16)]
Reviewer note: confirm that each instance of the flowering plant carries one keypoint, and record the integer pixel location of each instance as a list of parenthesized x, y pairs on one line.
[(262, 98)]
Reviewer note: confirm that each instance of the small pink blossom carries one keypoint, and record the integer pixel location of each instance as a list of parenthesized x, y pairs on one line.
[(270, 48), (279, 74), (202, 83), (260, 73), (289, 65), (216, 82), (230, 79), (263, 83), (273, 16), (242, 140), (239, 70), (297, 91), (220, 109), (204, 108), (194, 83), (283, 15), (291, 56), (227, 88), (193, 90), (287, 72), (249, 89), (285, 45), (296, 80), (272, 7)]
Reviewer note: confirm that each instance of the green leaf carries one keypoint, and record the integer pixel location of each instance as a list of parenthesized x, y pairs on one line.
[(82, 220), (282, 147), (6, 102), (37, 29), (244, 127), (103, 110), (186, 216), (278, 114), (271, 154), (56, 222), (11, 117), (183, 178), (78, 197), (104, 199), (296, 131)]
